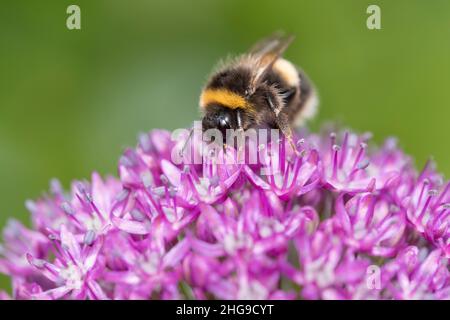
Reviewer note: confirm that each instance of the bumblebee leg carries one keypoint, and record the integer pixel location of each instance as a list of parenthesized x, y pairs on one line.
[(291, 142), (285, 128), (275, 108), (240, 129), (239, 119)]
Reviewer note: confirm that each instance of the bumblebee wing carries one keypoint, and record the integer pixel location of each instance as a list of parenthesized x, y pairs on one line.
[(266, 52), (264, 45)]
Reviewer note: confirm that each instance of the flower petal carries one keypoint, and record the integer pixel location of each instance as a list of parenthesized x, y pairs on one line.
[(130, 226)]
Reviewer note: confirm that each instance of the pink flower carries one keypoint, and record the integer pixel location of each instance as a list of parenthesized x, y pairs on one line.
[(370, 224), (73, 271), (418, 274), (337, 219), (328, 269)]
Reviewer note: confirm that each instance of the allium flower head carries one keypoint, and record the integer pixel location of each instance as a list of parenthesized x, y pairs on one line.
[(338, 218)]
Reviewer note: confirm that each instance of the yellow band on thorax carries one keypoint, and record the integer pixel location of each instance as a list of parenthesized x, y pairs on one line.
[(224, 97)]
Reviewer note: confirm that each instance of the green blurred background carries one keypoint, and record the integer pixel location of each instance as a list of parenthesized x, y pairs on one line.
[(70, 101)]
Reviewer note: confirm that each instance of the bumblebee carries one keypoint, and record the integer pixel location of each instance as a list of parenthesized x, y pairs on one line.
[(259, 89)]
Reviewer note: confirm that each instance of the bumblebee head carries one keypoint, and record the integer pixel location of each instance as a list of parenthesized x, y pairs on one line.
[(221, 118)]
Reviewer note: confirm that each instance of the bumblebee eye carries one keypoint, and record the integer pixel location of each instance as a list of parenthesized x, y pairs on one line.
[(224, 121)]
